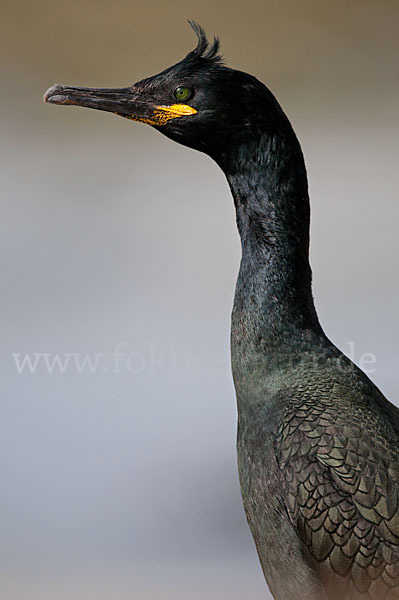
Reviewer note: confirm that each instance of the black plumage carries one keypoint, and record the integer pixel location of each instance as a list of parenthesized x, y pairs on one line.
[(317, 441)]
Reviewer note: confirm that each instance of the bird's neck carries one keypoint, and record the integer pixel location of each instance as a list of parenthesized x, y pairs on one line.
[(273, 306)]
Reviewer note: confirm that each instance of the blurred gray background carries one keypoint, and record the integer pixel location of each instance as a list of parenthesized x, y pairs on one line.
[(122, 482)]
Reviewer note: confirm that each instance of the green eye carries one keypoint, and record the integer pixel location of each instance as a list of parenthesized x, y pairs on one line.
[(182, 93)]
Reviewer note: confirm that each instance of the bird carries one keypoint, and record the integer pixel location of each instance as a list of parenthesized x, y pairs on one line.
[(317, 441)]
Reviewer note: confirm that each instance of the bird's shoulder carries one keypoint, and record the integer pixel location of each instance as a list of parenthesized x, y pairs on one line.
[(337, 447)]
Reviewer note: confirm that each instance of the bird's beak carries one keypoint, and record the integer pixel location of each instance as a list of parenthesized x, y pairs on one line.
[(125, 102)]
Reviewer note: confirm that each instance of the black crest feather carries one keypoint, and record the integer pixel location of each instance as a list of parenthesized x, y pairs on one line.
[(205, 50)]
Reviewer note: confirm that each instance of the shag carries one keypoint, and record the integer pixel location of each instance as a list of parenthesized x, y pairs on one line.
[(318, 443)]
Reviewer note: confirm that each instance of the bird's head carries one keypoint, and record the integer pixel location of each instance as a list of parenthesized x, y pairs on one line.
[(198, 102)]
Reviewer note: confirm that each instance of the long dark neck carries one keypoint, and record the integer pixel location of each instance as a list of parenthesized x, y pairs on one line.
[(273, 306)]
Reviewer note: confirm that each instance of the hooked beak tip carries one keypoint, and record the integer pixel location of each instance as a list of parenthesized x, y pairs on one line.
[(53, 95)]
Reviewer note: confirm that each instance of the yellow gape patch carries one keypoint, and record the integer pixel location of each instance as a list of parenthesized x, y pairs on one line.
[(163, 114)]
